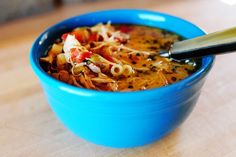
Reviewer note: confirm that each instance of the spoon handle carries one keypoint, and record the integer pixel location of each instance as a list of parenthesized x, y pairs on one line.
[(215, 43)]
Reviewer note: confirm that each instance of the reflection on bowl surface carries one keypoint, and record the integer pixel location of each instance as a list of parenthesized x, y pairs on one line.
[(121, 119)]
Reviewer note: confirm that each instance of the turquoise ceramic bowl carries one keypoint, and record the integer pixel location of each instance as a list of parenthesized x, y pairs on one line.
[(121, 119)]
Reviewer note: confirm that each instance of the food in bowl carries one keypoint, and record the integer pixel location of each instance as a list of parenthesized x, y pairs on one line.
[(121, 119), (115, 58)]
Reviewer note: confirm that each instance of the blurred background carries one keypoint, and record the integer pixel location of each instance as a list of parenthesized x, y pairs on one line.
[(28, 128), (13, 9)]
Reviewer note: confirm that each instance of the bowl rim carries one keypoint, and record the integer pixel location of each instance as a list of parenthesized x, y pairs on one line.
[(42, 75)]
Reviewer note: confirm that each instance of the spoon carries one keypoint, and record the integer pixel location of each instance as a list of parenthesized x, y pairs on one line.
[(220, 42)]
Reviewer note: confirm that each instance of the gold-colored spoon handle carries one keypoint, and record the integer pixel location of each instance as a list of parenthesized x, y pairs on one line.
[(211, 44)]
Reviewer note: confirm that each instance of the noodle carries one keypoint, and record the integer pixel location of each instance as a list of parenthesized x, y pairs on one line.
[(127, 70), (115, 58), (116, 70)]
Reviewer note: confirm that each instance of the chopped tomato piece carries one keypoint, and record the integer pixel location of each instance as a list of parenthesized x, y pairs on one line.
[(64, 36), (74, 54), (93, 37), (108, 57), (78, 36), (125, 29), (82, 56)]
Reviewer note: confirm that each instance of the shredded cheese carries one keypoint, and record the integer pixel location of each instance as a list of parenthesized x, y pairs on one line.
[(70, 42)]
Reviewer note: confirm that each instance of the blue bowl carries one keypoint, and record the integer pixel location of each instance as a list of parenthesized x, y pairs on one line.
[(121, 119)]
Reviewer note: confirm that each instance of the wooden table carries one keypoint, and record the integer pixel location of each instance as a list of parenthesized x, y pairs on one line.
[(28, 128)]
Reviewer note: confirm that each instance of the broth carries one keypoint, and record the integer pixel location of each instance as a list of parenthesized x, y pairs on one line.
[(115, 58)]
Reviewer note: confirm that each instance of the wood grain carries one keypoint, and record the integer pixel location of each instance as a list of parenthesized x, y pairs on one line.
[(28, 128)]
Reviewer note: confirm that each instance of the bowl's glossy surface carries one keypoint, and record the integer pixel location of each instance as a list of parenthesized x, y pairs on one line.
[(121, 119)]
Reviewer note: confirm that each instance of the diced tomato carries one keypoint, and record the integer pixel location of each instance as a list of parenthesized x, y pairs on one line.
[(110, 66), (106, 54), (93, 37), (74, 54), (125, 29), (82, 56), (77, 56), (86, 55), (78, 36), (64, 36), (108, 57)]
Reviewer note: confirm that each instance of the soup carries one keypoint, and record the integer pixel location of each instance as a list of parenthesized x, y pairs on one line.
[(115, 58)]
